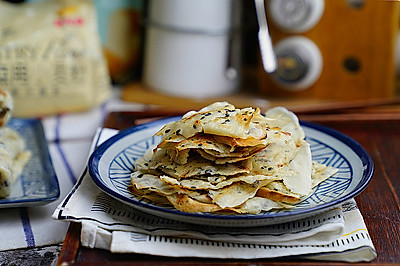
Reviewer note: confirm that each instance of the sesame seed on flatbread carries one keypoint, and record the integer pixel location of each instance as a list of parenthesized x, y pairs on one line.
[(224, 159)]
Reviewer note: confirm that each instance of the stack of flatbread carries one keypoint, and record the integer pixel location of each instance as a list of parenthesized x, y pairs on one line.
[(13, 154), (224, 159)]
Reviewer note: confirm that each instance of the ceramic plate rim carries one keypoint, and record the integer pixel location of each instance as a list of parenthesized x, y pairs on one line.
[(363, 155)]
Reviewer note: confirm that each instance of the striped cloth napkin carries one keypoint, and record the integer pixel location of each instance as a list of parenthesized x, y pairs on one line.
[(69, 138), (33, 226), (339, 234)]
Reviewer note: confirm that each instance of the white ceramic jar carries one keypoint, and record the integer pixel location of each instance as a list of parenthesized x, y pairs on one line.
[(192, 48)]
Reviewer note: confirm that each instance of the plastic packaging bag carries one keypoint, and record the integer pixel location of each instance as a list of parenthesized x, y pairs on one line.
[(51, 59)]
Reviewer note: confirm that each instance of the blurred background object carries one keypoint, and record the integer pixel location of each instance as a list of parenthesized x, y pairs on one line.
[(356, 40), (192, 47), (51, 59), (327, 51), (181, 53), (267, 53), (120, 30)]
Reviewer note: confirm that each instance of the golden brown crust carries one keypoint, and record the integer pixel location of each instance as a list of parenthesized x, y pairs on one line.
[(6, 106), (233, 142), (277, 196), (3, 93), (186, 204)]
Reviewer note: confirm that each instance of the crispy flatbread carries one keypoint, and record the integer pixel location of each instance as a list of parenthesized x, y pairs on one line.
[(13, 158), (221, 119), (207, 185), (277, 191), (287, 121), (301, 165), (223, 159), (185, 203), (321, 172), (196, 166), (6, 107), (209, 148), (256, 205), (235, 194)]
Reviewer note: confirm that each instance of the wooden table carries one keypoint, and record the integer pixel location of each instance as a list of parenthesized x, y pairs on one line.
[(379, 203)]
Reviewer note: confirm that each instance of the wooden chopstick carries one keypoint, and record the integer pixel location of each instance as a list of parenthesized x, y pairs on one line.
[(344, 106)]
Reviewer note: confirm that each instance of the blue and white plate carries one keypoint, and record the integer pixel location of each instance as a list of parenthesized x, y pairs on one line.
[(38, 184), (111, 164)]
